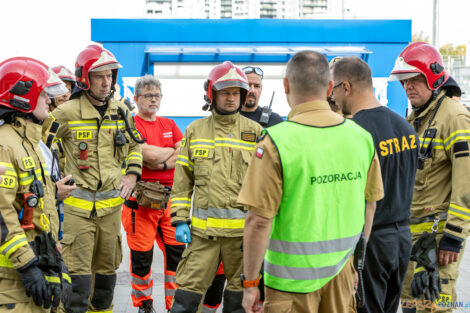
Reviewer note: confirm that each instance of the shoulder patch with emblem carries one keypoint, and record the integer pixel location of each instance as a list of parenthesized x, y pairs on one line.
[(249, 136), (259, 152)]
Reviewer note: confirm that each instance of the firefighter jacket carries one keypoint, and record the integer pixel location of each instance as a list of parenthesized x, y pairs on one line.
[(93, 157), (213, 159), (441, 185), (23, 159)]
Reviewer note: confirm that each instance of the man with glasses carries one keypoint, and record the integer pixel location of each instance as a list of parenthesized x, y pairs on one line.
[(210, 169), (250, 109), (142, 224), (389, 245)]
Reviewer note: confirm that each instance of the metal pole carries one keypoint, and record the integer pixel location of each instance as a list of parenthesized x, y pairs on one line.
[(435, 23)]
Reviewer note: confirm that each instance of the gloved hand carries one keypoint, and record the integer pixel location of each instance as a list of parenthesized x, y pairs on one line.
[(53, 286), (35, 285), (66, 284), (426, 280), (420, 282), (182, 233)]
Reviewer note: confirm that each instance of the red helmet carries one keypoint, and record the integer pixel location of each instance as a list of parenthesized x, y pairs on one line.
[(223, 76), (64, 73), (420, 58), (94, 58), (23, 79)]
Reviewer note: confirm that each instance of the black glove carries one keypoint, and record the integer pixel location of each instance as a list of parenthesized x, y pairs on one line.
[(426, 280), (66, 283), (435, 288), (53, 286), (420, 282), (35, 284)]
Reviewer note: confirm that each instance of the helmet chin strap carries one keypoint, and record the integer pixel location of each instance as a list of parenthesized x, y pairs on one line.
[(90, 93)]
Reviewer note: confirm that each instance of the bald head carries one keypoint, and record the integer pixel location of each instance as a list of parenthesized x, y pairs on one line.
[(308, 74), (353, 70)]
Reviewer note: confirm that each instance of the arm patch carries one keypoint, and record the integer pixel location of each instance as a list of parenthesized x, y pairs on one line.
[(454, 228), (460, 146)]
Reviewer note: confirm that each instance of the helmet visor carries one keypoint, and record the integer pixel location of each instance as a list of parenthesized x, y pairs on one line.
[(402, 76), (54, 86)]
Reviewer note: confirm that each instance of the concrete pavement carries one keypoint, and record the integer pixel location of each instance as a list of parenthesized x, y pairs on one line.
[(122, 294)]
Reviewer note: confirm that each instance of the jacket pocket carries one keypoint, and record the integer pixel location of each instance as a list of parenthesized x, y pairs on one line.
[(421, 181)]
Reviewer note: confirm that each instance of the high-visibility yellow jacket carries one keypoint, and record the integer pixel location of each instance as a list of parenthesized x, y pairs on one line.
[(213, 159), (23, 159), (98, 183), (442, 185)]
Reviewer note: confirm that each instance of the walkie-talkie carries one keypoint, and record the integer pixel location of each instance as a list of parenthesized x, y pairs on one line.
[(266, 113)]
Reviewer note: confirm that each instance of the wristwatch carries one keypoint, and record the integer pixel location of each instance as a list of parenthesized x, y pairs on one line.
[(249, 283), (164, 165)]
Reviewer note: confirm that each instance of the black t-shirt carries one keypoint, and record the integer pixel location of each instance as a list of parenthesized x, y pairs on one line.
[(101, 109), (256, 115), (396, 144)]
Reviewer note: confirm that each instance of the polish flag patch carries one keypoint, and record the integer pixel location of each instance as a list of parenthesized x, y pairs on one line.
[(259, 152)]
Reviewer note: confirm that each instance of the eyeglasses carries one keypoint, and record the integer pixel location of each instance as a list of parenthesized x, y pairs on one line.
[(338, 84), (251, 69), (150, 96)]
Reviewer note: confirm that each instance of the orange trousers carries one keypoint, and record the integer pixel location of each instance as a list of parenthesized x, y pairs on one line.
[(144, 226)]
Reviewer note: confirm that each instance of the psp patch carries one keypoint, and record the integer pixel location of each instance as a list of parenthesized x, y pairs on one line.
[(84, 134), (28, 163), (259, 152), (200, 153), (249, 136), (8, 181)]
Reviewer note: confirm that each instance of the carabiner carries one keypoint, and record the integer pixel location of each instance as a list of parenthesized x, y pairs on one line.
[(44, 222)]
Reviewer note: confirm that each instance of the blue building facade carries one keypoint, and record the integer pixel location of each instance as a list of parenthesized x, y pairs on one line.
[(183, 51)]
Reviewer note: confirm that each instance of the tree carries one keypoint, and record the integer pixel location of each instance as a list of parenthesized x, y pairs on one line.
[(450, 49), (421, 36)]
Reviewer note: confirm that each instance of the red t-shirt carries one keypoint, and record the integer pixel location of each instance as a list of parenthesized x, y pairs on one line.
[(162, 132)]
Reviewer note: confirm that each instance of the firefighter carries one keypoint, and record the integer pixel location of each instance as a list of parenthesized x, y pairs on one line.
[(98, 137), (440, 209), (27, 212), (69, 79), (214, 156), (145, 225)]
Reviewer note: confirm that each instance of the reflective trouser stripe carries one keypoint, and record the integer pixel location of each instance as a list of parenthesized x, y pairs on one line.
[(141, 288)]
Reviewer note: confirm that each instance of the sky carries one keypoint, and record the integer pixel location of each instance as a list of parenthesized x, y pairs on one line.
[(54, 31)]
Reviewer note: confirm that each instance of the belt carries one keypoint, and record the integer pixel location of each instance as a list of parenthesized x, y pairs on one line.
[(391, 225)]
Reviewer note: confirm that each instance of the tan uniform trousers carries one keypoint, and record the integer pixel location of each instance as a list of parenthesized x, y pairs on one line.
[(448, 275), (91, 247), (201, 259), (337, 296), (12, 292)]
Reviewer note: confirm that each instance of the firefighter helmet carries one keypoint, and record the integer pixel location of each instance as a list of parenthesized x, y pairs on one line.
[(64, 73), (94, 58), (223, 76), (420, 58), (23, 79)]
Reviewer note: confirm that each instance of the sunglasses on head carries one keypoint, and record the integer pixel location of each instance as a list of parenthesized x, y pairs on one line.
[(251, 69)]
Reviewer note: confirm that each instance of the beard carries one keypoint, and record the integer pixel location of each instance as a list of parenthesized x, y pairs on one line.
[(250, 101)]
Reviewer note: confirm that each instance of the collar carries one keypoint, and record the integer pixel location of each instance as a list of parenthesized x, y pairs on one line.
[(89, 112), (225, 119), (311, 106), (428, 110), (30, 130)]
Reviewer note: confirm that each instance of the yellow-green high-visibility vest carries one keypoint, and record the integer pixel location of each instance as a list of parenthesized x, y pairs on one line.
[(322, 209)]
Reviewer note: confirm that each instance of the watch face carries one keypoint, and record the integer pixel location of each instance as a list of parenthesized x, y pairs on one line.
[(82, 146)]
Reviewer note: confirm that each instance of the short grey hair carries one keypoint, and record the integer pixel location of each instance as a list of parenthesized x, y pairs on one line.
[(146, 81), (308, 73)]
